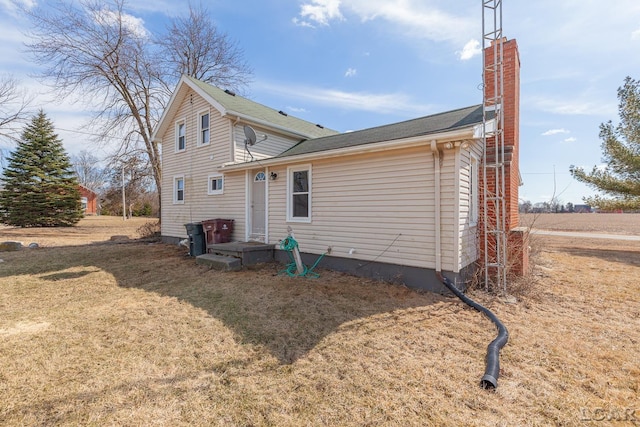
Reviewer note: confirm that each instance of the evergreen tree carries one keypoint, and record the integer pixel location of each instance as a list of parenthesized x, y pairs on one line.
[(40, 187), (621, 151)]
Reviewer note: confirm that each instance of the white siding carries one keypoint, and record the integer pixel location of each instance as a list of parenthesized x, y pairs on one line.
[(468, 233), (272, 146), (196, 163), (380, 205), (448, 208)]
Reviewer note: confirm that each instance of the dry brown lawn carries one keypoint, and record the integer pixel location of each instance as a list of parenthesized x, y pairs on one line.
[(137, 334)]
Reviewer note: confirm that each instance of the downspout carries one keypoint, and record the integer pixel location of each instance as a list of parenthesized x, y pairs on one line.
[(492, 360), (436, 176)]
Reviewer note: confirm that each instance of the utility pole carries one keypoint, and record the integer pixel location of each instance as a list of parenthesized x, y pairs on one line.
[(124, 201)]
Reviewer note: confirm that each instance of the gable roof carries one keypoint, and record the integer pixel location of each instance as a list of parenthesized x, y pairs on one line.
[(230, 104), (436, 123)]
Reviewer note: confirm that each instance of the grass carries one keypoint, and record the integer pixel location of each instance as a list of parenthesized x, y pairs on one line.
[(137, 334)]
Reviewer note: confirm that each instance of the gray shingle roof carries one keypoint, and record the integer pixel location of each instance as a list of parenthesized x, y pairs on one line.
[(442, 122), (257, 111)]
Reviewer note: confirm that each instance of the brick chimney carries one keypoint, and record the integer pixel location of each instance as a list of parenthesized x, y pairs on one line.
[(511, 123), (517, 237)]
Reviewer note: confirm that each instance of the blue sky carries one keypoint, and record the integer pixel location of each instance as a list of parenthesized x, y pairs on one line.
[(353, 64)]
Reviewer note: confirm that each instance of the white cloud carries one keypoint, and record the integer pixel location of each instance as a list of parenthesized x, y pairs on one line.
[(297, 109), (579, 107), (130, 22), (554, 132), (635, 35), (390, 103), (351, 72), (471, 49), (570, 139), (319, 12), (411, 17), (12, 6)]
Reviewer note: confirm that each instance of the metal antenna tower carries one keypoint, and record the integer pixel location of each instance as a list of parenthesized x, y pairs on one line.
[(493, 170)]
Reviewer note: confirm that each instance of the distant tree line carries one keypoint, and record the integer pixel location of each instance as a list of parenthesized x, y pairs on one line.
[(554, 206)]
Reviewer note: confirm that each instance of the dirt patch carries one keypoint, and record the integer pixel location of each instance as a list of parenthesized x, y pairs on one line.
[(25, 327)]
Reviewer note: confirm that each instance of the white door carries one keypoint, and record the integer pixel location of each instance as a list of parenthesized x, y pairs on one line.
[(258, 211)]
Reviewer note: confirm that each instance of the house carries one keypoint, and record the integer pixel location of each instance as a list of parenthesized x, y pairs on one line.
[(397, 202), (582, 209), (89, 200)]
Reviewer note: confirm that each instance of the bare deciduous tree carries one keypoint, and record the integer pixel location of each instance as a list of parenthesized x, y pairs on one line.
[(13, 110), (13, 106), (98, 52), (194, 46), (89, 172), (132, 173)]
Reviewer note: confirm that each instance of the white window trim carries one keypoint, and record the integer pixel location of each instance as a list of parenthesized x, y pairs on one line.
[(290, 171), (474, 190), (215, 176), (200, 129), (175, 190), (177, 145)]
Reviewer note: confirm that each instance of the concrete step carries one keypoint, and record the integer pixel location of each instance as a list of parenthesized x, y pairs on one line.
[(219, 262), (250, 253)]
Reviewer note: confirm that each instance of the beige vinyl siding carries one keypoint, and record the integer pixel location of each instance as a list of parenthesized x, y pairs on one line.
[(274, 144), (448, 208), (196, 163), (468, 233), (380, 205)]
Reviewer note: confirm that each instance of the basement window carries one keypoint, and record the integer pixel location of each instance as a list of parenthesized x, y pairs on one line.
[(299, 193)]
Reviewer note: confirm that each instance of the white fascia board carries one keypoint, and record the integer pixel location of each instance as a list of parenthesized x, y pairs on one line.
[(162, 126), (416, 141)]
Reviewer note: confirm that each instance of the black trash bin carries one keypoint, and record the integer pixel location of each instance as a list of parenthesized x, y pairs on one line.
[(197, 245)]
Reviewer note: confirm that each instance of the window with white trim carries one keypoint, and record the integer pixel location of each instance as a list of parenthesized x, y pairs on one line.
[(299, 193), (178, 190), (203, 128), (216, 184), (474, 188), (181, 137)]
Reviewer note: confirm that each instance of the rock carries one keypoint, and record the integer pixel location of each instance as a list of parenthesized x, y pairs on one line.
[(10, 246)]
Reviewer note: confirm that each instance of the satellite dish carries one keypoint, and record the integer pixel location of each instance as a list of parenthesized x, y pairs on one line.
[(250, 134)]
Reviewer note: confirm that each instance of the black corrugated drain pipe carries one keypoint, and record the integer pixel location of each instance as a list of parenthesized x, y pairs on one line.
[(492, 370)]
